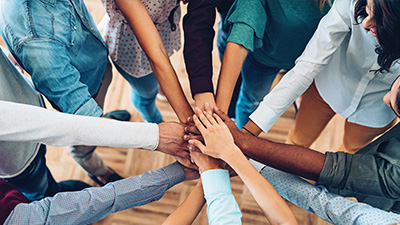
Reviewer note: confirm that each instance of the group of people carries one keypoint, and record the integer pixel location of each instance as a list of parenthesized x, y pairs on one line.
[(340, 56)]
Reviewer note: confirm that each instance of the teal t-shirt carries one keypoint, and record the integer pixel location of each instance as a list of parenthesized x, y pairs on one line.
[(275, 31)]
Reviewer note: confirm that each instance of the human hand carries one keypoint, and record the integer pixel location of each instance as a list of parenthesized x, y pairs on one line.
[(190, 174), (219, 142), (240, 138), (205, 162), (186, 162), (171, 139)]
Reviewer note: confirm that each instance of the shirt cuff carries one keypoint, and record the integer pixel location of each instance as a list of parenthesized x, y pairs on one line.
[(216, 181), (264, 117), (175, 173), (331, 174), (244, 35), (90, 108)]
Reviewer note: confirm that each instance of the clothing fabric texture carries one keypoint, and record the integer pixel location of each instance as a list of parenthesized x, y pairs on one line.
[(341, 58), (37, 182), (130, 59), (58, 44), (93, 204), (314, 114), (275, 33), (143, 95), (198, 26), (124, 48), (371, 174), (23, 163), (330, 207), (222, 207), (9, 198)]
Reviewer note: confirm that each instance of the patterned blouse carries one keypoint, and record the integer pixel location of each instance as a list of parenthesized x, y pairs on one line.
[(124, 48)]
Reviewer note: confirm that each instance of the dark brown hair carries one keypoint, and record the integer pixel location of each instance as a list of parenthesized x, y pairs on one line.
[(386, 14)]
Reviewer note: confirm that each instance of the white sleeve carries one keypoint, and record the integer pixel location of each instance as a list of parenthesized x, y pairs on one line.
[(331, 32), (20, 122)]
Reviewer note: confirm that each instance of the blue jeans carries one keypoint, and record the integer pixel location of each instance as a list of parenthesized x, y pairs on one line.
[(144, 91), (222, 37), (256, 83), (36, 182)]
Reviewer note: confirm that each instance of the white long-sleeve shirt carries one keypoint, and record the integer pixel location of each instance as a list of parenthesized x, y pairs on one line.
[(26, 123), (340, 57)]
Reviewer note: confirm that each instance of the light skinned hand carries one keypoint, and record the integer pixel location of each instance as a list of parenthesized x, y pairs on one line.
[(205, 162), (218, 139)]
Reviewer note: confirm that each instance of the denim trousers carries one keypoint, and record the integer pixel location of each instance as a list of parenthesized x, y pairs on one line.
[(144, 91), (256, 83), (37, 182)]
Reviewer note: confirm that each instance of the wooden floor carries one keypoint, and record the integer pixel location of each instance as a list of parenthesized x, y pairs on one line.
[(131, 162)]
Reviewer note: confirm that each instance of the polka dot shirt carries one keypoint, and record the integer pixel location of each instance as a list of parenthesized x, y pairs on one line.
[(124, 49)]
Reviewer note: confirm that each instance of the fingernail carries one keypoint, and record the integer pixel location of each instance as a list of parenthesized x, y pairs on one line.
[(185, 137), (190, 141), (197, 108), (207, 104)]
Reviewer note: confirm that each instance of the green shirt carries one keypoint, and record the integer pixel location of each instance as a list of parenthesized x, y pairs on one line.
[(275, 31), (372, 174)]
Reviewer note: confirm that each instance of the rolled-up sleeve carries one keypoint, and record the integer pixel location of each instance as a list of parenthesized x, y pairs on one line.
[(247, 29), (362, 173)]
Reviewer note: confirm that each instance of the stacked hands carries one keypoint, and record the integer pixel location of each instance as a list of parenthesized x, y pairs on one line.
[(210, 141), (207, 141)]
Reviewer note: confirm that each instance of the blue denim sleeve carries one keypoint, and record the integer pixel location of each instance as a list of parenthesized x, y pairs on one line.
[(222, 207), (362, 173), (56, 78), (330, 207)]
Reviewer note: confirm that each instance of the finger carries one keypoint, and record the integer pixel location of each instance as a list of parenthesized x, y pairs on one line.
[(202, 117), (200, 126), (187, 137), (221, 114), (207, 107), (184, 154), (192, 129), (218, 119), (197, 144), (211, 119)]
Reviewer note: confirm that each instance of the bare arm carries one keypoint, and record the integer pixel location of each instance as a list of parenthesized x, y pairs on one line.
[(232, 62), (293, 159), (149, 39), (187, 212), (220, 144)]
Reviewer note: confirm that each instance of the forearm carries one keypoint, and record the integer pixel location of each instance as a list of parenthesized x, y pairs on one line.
[(202, 98), (150, 40), (232, 62), (273, 206), (330, 207), (169, 82), (293, 159), (222, 206), (60, 129), (199, 35), (93, 204), (187, 212)]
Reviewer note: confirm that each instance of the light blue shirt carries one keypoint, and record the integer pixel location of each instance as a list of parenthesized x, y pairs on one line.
[(93, 204), (222, 206), (58, 44), (330, 207)]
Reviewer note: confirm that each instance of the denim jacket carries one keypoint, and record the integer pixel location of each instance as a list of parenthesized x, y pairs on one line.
[(58, 44)]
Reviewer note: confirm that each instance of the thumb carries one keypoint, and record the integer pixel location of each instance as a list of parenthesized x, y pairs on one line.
[(221, 114), (197, 144)]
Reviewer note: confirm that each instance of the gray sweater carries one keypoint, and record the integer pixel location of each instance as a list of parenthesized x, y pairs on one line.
[(23, 126)]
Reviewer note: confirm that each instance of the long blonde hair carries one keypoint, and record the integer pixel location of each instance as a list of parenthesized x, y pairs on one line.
[(321, 3)]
